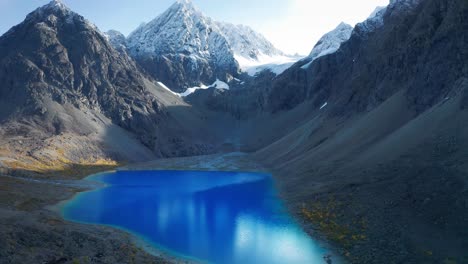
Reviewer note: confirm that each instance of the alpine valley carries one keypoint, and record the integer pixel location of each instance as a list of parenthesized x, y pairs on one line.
[(366, 137)]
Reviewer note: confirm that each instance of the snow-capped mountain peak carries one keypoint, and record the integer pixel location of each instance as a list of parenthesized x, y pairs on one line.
[(330, 42), (57, 4), (181, 29), (185, 6), (54, 6), (187, 3), (191, 43), (187, 43), (184, 28)]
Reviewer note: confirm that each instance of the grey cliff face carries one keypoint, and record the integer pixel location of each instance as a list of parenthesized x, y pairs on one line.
[(67, 59), (409, 46)]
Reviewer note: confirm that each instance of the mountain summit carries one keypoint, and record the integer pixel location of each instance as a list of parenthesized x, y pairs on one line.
[(330, 42), (184, 48)]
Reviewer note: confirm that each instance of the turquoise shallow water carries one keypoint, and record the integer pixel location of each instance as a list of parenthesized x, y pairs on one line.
[(215, 217)]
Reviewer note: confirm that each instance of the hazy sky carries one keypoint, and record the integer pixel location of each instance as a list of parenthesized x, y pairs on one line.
[(293, 26)]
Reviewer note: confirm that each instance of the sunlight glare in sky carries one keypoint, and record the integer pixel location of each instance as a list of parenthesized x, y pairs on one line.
[(293, 26)]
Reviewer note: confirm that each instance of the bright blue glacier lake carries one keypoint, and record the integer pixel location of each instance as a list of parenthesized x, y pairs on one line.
[(212, 217)]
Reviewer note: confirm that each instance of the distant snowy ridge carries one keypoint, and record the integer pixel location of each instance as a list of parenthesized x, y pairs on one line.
[(253, 52), (247, 43), (276, 64), (330, 42), (373, 22)]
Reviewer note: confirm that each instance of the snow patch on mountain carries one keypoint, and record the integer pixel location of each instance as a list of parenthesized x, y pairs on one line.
[(217, 84), (276, 64), (191, 90), (220, 85), (330, 42), (167, 88)]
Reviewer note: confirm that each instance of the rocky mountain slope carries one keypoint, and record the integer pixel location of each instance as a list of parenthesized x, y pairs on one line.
[(383, 148), (65, 91)]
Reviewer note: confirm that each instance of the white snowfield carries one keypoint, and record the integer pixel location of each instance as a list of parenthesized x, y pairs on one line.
[(276, 64), (217, 84), (167, 88)]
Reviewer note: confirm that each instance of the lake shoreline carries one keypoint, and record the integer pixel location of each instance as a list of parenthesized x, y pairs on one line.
[(43, 212), (33, 232)]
